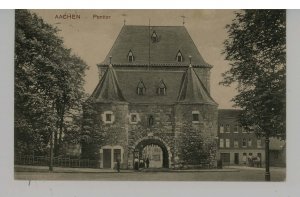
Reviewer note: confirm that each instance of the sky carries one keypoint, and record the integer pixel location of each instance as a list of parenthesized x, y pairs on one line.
[(91, 37)]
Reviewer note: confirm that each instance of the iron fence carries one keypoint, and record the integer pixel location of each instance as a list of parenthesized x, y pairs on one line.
[(57, 161)]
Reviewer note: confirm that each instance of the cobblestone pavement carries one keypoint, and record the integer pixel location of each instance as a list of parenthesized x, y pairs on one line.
[(230, 174)]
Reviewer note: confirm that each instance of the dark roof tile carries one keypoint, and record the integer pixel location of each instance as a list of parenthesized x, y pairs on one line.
[(171, 40)]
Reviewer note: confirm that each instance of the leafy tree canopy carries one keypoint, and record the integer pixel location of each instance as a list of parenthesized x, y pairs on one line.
[(256, 50), (48, 83)]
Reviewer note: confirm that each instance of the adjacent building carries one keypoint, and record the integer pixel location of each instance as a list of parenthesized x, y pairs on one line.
[(236, 144)]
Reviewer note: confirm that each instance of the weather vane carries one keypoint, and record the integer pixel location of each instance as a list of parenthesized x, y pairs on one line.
[(124, 15)]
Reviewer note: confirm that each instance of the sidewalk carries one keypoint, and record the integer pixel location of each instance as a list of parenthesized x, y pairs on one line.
[(27, 168)]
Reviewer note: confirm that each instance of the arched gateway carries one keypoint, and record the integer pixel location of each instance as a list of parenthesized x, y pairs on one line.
[(138, 151)]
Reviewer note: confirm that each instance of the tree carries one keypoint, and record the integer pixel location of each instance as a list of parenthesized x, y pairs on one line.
[(48, 84), (256, 50)]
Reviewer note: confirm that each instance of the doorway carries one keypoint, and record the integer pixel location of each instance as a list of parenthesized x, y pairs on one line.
[(106, 158), (236, 158)]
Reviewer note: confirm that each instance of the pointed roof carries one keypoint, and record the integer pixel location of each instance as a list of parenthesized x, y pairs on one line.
[(192, 89), (162, 52), (108, 89)]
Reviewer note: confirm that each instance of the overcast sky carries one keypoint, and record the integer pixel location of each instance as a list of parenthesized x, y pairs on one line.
[(92, 38)]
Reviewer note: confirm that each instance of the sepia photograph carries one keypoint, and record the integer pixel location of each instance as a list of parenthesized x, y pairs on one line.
[(150, 95)]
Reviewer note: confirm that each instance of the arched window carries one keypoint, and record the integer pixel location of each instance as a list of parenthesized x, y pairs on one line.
[(130, 56), (161, 90), (179, 57), (141, 89)]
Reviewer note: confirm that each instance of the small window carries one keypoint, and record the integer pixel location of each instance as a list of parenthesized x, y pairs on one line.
[(141, 89), (161, 90), (227, 143), (195, 116), (133, 118), (227, 128), (236, 129), (249, 142), (259, 143), (221, 143), (130, 56), (244, 130), (221, 128), (108, 117), (236, 143), (179, 57), (244, 143)]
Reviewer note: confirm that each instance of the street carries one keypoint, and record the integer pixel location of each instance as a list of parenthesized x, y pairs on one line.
[(236, 174)]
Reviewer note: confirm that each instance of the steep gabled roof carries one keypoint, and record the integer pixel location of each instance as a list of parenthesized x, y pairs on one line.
[(108, 89), (192, 89), (170, 40)]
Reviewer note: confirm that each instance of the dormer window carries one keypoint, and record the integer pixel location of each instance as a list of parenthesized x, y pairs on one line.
[(161, 90), (154, 37), (130, 56), (141, 89), (179, 56)]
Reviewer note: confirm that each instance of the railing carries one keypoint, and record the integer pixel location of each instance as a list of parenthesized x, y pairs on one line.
[(57, 161)]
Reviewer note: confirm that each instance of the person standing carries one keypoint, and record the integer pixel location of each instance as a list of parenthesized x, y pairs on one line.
[(147, 162), (136, 163), (118, 165)]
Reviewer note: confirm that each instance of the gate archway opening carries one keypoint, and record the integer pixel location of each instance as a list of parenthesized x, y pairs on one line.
[(141, 149)]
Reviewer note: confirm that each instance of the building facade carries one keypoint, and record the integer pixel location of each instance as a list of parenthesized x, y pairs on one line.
[(236, 145), (153, 92)]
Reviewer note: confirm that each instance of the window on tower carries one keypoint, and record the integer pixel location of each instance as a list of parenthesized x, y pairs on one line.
[(130, 56), (195, 116), (141, 89), (179, 56), (161, 90)]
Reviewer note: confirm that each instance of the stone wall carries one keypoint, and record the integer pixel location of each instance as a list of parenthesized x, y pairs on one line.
[(101, 133), (184, 139), (199, 137), (162, 127)]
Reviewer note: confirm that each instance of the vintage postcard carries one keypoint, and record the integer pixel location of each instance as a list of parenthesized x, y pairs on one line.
[(150, 95)]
